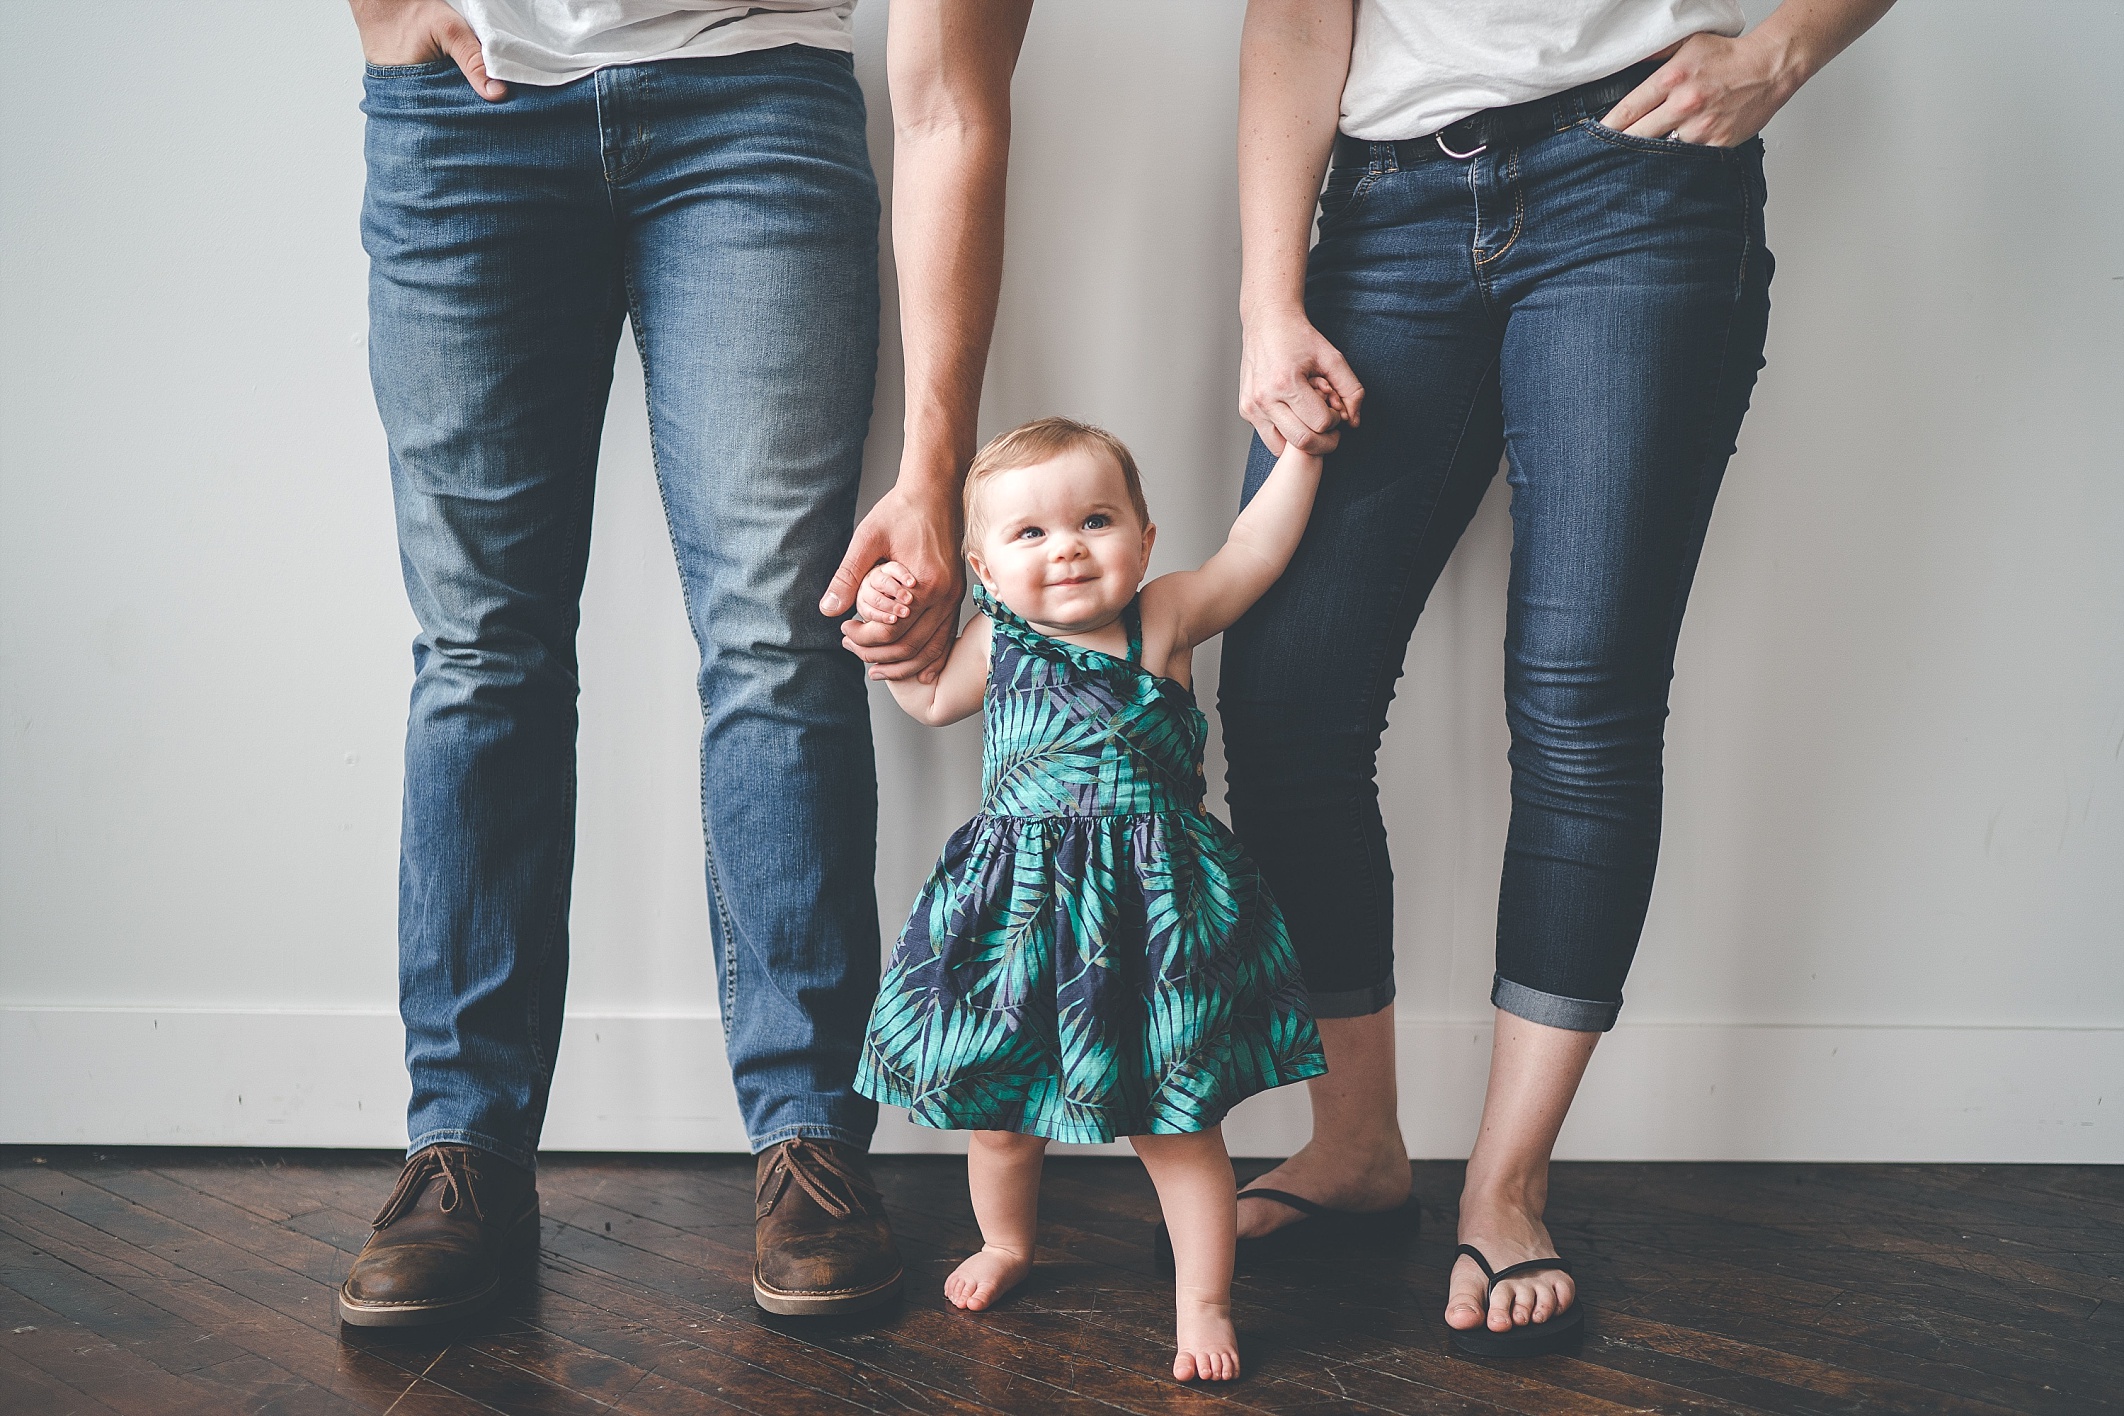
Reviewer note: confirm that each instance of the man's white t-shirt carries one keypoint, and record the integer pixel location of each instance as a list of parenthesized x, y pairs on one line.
[(1418, 65), (559, 41)]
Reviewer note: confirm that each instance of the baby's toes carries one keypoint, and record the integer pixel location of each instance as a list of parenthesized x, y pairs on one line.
[(1184, 1367)]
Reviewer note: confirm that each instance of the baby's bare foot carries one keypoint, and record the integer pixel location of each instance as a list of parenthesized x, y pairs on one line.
[(1209, 1344), (986, 1276)]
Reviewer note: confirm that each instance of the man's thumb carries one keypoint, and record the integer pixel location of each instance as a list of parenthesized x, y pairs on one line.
[(840, 592), (463, 46)]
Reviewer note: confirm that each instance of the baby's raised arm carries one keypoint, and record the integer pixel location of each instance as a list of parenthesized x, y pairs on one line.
[(887, 593), (1204, 603)]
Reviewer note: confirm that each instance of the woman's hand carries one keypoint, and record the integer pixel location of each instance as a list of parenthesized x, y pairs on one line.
[(416, 31), (1294, 386), (1721, 92), (1713, 91)]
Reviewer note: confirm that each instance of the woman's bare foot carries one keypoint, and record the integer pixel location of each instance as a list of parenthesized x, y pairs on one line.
[(986, 1276), (1341, 1176), (1209, 1344), (1507, 1233)]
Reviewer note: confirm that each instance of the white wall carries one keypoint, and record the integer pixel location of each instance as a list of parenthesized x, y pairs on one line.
[(1887, 923)]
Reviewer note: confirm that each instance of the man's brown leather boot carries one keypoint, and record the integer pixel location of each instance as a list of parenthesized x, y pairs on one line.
[(821, 1236), (442, 1239)]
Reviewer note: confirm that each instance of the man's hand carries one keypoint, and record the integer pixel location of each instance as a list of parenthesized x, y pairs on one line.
[(1295, 387), (949, 65), (921, 534), (416, 31)]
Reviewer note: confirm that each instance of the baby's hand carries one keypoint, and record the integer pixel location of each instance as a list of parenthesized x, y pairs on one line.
[(886, 594), (1333, 399)]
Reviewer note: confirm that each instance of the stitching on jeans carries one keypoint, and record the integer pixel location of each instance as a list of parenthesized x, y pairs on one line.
[(1699, 517), (1379, 682), (557, 923), (1519, 209), (663, 497), (1658, 147), (627, 114), (402, 71)]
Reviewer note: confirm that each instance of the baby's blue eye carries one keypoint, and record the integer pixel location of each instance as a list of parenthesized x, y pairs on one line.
[(1097, 521), (1030, 533)]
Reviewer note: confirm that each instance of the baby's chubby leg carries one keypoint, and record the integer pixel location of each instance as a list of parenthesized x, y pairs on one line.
[(1200, 1200), (1003, 1172)]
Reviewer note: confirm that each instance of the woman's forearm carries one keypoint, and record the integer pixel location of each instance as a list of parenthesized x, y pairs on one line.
[(1806, 34), (1293, 58)]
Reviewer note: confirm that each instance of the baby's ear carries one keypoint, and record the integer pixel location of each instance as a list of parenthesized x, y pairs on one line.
[(1150, 537)]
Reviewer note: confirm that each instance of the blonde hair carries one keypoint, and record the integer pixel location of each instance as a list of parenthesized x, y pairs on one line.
[(1039, 441)]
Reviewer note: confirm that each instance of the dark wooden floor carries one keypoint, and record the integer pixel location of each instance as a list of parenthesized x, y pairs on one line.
[(201, 1281)]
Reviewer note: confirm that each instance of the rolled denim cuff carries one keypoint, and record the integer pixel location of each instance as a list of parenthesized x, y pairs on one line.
[(1353, 1002), (521, 1157), (1553, 1010), (847, 1136)]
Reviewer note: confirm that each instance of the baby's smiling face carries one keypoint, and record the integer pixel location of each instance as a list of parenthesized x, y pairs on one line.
[(1059, 541)]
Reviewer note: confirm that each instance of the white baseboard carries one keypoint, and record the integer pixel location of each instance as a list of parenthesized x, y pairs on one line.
[(109, 1076)]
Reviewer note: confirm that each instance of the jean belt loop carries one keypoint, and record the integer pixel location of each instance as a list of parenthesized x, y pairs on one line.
[(1384, 159)]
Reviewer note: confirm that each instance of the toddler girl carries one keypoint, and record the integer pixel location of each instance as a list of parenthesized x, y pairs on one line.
[(1094, 955)]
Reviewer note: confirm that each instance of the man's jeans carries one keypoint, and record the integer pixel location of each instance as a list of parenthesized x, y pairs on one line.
[(1594, 306), (726, 208)]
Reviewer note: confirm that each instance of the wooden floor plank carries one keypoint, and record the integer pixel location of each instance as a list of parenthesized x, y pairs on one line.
[(1950, 1378), (1914, 1393), (1124, 1359), (91, 1364), (610, 1183), (254, 1327), (184, 1281), (28, 1390), (523, 1367), (959, 1365), (740, 1360)]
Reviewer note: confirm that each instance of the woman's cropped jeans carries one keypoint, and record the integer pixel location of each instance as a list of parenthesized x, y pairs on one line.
[(1592, 306), (725, 207)]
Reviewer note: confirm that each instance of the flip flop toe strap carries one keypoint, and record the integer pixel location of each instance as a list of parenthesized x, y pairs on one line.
[(1299, 1203), (1514, 1270)]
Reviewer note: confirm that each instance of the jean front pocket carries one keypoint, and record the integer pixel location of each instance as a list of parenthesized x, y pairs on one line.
[(1667, 147), (425, 69), (1344, 186)]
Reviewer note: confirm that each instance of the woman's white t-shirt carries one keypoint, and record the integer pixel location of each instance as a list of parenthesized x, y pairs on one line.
[(1418, 65), (558, 41)]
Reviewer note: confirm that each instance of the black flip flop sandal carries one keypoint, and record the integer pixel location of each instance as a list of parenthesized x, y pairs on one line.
[(1563, 1330), (1402, 1221)]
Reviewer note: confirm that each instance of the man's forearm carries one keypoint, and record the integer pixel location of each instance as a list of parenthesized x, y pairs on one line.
[(947, 231), (950, 64), (1293, 58)]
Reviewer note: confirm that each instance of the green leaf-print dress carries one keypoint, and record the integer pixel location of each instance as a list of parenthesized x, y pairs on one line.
[(1094, 955)]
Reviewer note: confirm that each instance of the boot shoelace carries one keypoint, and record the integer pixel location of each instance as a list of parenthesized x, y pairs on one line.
[(815, 1169), (458, 1174)]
